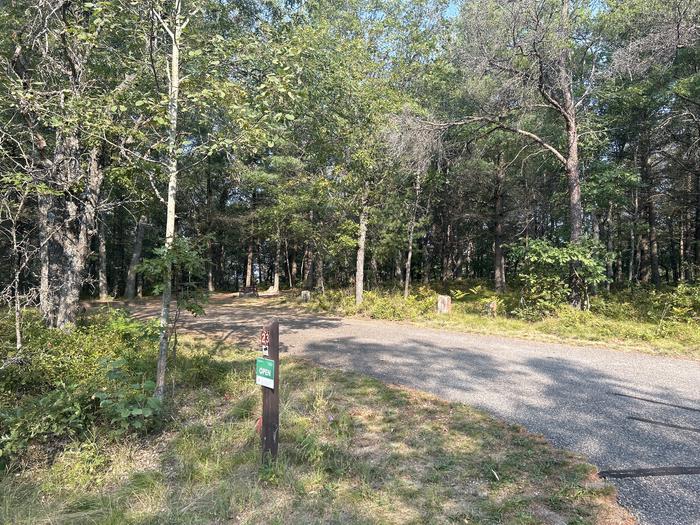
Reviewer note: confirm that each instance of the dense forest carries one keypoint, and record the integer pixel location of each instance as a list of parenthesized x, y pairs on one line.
[(177, 146)]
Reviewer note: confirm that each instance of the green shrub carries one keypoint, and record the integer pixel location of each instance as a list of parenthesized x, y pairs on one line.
[(648, 304), (67, 382), (380, 304), (60, 413), (481, 300), (550, 275)]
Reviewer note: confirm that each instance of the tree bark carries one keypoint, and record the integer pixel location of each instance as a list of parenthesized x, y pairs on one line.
[(649, 193), (696, 248), (320, 282), (211, 287), (172, 165), (610, 246), (673, 254), (278, 265), (130, 288), (499, 269), (411, 229), (249, 266), (102, 271), (307, 267), (293, 270), (71, 225), (361, 239)]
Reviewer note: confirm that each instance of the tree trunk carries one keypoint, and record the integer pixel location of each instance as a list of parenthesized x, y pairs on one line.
[(361, 239), (293, 270), (427, 254), (672, 252), (411, 229), (286, 258), (135, 258), (696, 249), (249, 266), (649, 192), (568, 110), (320, 283), (398, 272), (307, 267), (278, 265), (45, 231), (210, 266), (610, 246), (634, 244), (102, 272), (499, 269), (67, 227), (681, 249), (172, 164), (572, 175)]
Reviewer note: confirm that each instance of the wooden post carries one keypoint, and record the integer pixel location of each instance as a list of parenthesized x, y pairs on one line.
[(271, 396)]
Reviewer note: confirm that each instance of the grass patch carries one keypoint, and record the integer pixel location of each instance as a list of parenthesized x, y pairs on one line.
[(352, 450), (643, 320)]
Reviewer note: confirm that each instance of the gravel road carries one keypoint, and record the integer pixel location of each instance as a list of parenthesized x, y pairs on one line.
[(635, 416)]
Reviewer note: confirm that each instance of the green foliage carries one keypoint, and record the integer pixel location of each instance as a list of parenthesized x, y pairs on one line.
[(59, 414), (550, 275), (480, 300), (680, 304), (183, 257), (381, 305), (67, 382), (128, 408)]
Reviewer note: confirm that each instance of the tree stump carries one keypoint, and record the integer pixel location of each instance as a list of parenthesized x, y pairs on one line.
[(305, 296), (444, 304)]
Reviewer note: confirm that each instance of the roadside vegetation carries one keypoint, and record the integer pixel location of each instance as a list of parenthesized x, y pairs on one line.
[(660, 321), (353, 450)]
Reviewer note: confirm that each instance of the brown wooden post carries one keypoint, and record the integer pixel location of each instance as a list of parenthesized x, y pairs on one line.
[(271, 398)]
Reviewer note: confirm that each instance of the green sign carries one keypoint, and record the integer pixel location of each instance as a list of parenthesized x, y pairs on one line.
[(265, 372)]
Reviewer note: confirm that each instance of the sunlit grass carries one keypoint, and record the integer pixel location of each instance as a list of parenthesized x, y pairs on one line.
[(352, 450), (615, 322)]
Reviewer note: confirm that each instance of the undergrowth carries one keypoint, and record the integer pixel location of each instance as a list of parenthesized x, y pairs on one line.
[(64, 385), (665, 320)]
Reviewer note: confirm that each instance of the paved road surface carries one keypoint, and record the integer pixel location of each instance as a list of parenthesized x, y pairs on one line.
[(633, 415)]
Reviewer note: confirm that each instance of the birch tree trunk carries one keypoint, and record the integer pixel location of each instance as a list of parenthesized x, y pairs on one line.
[(293, 270), (278, 264), (210, 267), (102, 272), (361, 240), (172, 165)]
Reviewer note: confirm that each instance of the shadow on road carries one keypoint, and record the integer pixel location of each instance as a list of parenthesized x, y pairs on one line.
[(624, 412), (575, 406)]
